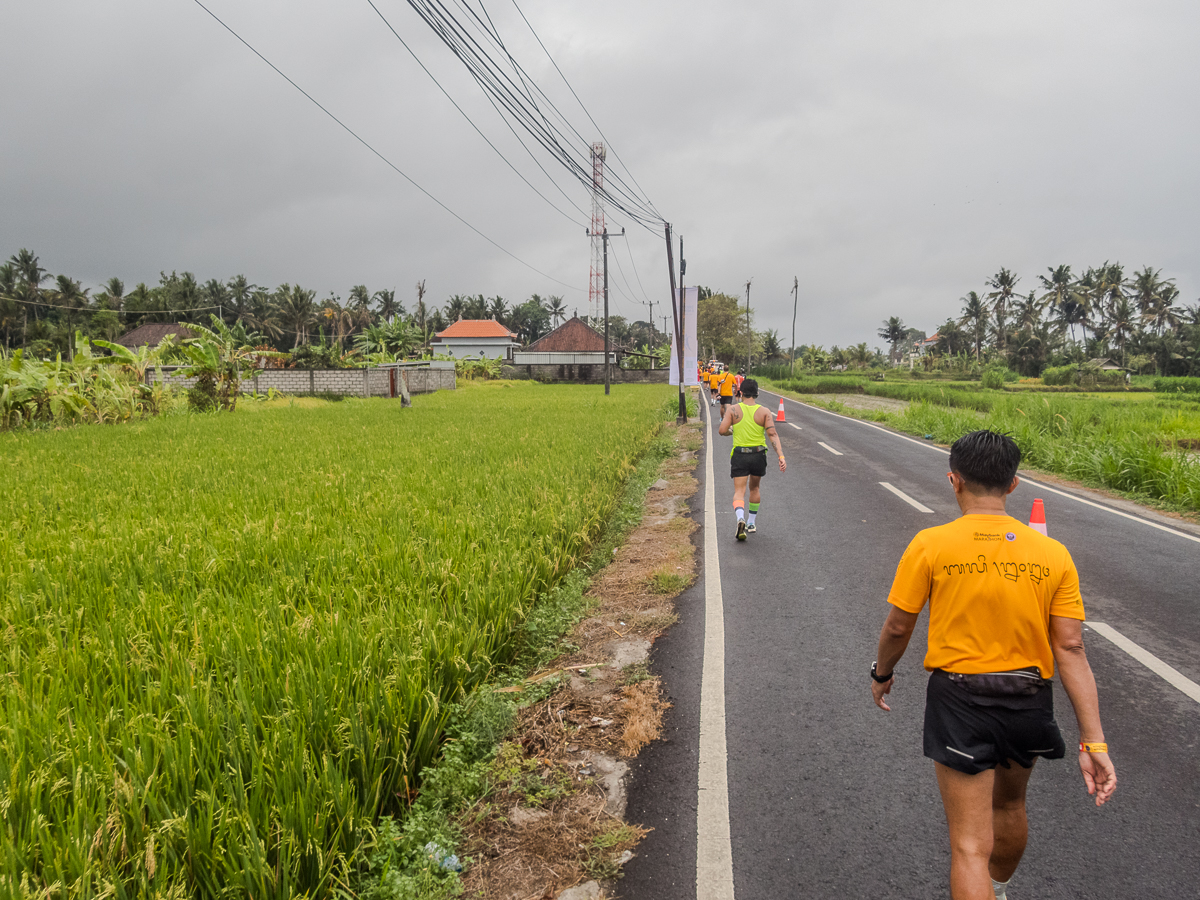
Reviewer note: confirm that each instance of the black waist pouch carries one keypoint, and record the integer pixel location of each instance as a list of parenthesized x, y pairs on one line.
[(1017, 683)]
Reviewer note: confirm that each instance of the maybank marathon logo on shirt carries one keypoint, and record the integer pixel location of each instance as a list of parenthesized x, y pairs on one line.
[(985, 536)]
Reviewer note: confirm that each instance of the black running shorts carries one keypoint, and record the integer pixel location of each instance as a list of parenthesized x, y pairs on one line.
[(972, 734), (743, 464), (725, 401)]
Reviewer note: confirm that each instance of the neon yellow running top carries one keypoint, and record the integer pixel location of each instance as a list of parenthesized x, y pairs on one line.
[(747, 432)]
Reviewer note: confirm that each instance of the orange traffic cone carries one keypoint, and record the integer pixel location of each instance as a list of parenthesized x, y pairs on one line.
[(779, 415), (1037, 518)]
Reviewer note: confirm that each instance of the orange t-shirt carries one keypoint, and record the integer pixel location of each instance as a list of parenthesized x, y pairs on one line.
[(712, 380), (992, 585), (726, 383)]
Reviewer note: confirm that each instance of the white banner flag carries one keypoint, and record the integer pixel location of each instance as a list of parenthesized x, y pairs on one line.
[(691, 298)]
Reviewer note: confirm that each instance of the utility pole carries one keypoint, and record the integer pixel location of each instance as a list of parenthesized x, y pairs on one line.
[(749, 333), (681, 418), (795, 303), (604, 236)]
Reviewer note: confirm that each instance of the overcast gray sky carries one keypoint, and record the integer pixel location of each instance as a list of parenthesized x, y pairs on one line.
[(891, 154)]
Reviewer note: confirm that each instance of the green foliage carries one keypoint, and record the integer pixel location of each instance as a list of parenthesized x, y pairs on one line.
[(320, 356), (992, 378), (228, 662), (1177, 385), (87, 388), (1061, 375)]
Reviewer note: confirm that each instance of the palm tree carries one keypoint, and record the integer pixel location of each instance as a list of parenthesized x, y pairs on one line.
[(296, 311), (69, 297), (113, 296), (388, 307), (359, 297), (339, 319), (1028, 313), (1122, 322), (498, 309), (858, 355), (1146, 286), (455, 307), (975, 314), (477, 308), (1004, 283), (217, 295), (1091, 291), (9, 307), (1162, 314), (241, 296), (893, 332), (558, 311)]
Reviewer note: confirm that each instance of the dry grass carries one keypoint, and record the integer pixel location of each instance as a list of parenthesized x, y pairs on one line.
[(522, 853)]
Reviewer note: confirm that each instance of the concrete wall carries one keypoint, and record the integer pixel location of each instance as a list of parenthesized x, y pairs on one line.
[(587, 374), (369, 382)]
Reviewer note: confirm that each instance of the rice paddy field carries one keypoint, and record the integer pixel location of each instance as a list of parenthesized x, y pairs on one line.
[(1144, 444), (229, 641)]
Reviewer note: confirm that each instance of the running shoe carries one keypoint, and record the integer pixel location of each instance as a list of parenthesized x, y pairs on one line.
[(741, 530), (751, 528)]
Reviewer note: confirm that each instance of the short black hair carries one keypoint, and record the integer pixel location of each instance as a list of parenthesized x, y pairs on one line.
[(749, 388), (986, 458)]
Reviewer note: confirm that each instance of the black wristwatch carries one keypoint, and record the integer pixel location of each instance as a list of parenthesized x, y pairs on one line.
[(881, 679)]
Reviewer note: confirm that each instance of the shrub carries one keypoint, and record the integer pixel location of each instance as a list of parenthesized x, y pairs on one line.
[(1177, 385), (993, 378), (1061, 375)]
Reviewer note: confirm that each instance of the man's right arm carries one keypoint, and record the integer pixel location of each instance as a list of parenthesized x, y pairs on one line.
[(1066, 639)]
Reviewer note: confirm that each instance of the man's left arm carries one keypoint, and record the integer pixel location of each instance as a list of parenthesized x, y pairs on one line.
[(773, 437)]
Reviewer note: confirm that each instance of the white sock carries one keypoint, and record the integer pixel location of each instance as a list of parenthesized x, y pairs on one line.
[(750, 518), (1000, 888), (740, 513)]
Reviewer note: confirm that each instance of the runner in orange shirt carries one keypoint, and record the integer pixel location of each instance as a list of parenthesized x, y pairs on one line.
[(1004, 609)]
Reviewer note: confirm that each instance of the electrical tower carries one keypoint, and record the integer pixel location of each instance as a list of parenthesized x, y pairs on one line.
[(596, 281)]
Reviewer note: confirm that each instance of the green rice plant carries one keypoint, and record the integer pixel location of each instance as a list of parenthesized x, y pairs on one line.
[(231, 642), (1177, 385), (1139, 448)]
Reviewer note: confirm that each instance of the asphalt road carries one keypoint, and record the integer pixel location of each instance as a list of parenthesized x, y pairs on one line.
[(830, 797)]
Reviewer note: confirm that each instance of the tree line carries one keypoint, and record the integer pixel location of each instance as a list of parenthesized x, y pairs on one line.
[(1063, 319), (41, 312)]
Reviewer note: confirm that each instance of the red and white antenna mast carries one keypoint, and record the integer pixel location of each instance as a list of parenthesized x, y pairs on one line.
[(596, 281)]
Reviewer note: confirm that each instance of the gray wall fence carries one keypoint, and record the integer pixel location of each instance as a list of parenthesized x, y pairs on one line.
[(587, 374), (365, 382)]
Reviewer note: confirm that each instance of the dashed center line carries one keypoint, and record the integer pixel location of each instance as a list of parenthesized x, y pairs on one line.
[(794, 425), (830, 449), (919, 507)]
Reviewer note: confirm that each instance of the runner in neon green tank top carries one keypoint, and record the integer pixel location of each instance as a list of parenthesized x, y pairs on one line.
[(751, 425)]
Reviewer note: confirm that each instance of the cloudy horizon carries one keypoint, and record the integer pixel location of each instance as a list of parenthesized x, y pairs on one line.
[(892, 157)]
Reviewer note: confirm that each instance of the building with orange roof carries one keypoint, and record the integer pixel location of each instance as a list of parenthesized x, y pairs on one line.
[(476, 339)]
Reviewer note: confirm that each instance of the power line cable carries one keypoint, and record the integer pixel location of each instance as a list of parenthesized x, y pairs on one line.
[(476, 127), (600, 131), (385, 160), (519, 101), (95, 309)]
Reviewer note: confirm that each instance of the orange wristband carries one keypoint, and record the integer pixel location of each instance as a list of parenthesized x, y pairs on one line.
[(1092, 748)]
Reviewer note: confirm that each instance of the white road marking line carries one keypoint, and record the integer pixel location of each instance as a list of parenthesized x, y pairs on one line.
[(714, 849), (1030, 481), (830, 449), (919, 507), (1173, 677), (794, 425)]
